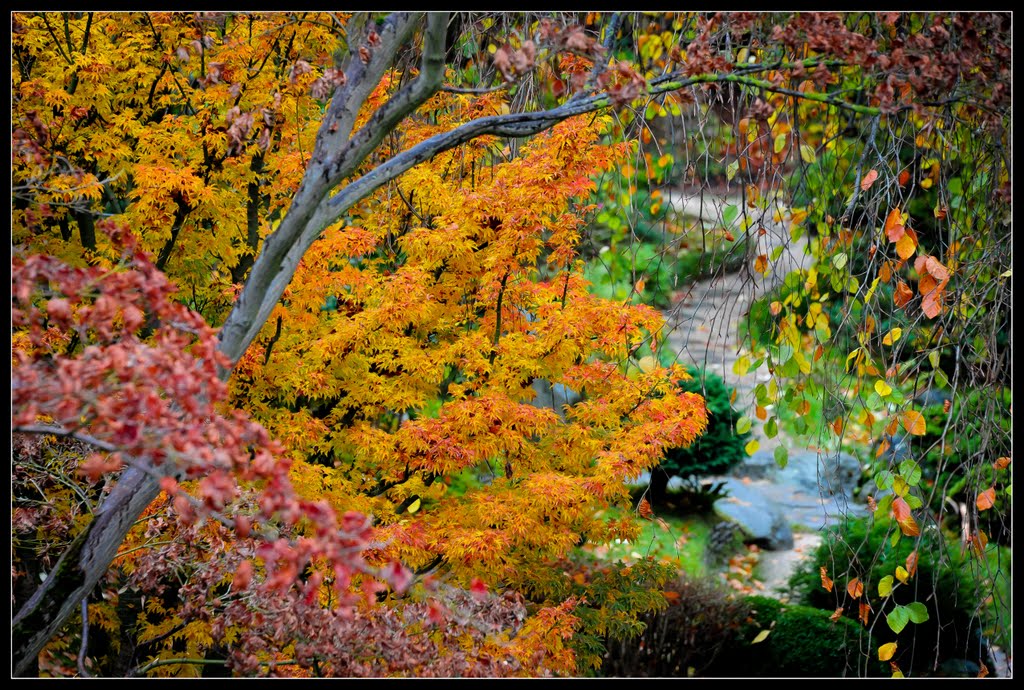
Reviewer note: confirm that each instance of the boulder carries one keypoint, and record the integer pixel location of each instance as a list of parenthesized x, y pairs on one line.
[(833, 474), (760, 465), (759, 518)]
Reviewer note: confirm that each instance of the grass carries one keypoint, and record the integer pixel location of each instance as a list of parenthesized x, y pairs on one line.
[(671, 538)]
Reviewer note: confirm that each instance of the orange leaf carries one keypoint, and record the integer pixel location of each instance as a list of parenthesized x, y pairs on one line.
[(761, 413), (1002, 463), (882, 447), (855, 588), (913, 422), (761, 264), (894, 225), (872, 505), (945, 408), (890, 428), (863, 612), (729, 236), (868, 180), (935, 267), (912, 563), (885, 272), (645, 509), (987, 498), (904, 519), (902, 295), (984, 670), (904, 177), (886, 651), (837, 614), (818, 353), (837, 426), (826, 581), (927, 284), (931, 305), (905, 246)]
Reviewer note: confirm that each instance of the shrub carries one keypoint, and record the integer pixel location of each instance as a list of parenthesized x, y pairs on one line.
[(720, 448), (803, 642), (700, 621), (942, 584)]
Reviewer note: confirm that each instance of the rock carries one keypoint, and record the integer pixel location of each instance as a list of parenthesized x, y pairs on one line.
[(760, 519), (827, 475), (760, 465), (675, 485), (958, 668)]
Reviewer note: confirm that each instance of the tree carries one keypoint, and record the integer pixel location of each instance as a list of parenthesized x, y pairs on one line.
[(240, 148)]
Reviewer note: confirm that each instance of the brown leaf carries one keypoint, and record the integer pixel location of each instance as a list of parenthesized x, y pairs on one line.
[(863, 612), (826, 581), (837, 614), (931, 305), (987, 498), (645, 509), (1002, 463), (903, 295), (935, 267), (855, 588), (984, 670)]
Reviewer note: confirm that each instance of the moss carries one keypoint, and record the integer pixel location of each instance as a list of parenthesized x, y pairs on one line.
[(802, 642)]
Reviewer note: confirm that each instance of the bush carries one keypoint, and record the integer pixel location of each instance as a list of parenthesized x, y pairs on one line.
[(942, 583), (700, 621), (803, 642), (719, 448)]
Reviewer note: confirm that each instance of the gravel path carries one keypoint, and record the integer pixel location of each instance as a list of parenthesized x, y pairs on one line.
[(704, 331)]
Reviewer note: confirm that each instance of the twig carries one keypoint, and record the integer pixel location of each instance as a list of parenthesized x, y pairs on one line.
[(868, 145)]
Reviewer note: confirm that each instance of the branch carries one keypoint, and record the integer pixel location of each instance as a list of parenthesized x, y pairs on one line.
[(85, 638), (868, 145)]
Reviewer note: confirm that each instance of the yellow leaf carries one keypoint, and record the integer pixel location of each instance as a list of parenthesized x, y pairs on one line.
[(647, 363), (882, 388), (752, 446), (892, 336), (761, 636), (807, 153), (902, 574), (886, 651), (414, 506), (905, 246)]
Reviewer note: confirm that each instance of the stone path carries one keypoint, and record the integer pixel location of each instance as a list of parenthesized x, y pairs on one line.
[(704, 331)]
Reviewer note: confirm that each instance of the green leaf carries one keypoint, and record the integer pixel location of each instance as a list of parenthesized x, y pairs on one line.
[(933, 359), (884, 479), (882, 509), (781, 457), (885, 586), (761, 394), (900, 486), (917, 612), (731, 170), (780, 143), (941, 380), (913, 501), (771, 429), (839, 260), (895, 539), (729, 214), (911, 471), (743, 425), (807, 153), (898, 618)]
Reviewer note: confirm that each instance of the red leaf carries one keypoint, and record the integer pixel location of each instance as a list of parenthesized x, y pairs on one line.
[(868, 180), (478, 588), (901, 511)]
